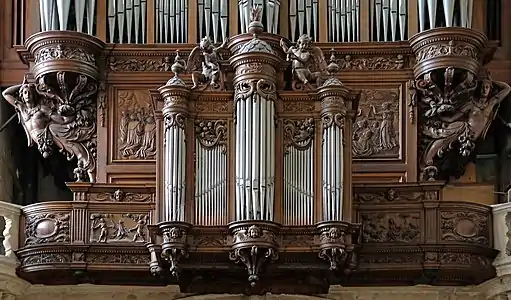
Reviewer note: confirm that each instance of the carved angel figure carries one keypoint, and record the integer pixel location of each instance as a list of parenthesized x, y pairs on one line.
[(65, 118), (305, 58), (467, 123), (211, 73)]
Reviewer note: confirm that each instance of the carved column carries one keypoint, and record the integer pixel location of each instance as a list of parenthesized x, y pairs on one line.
[(455, 96), (254, 231), (172, 230), (58, 111), (339, 239)]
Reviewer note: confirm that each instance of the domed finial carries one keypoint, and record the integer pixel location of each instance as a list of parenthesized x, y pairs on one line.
[(179, 65), (255, 27), (333, 67)]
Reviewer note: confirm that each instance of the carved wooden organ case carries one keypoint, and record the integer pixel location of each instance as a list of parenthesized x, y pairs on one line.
[(254, 164)]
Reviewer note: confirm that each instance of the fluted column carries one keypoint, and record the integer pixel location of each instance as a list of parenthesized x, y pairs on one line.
[(175, 112)]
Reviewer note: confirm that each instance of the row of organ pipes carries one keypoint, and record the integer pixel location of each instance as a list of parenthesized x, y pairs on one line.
[(210, 184), (127, 19), (255, 158), (332, 172), (174, 172)]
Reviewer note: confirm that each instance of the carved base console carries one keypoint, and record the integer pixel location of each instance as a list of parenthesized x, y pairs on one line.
[(254, 245), (339, 243)]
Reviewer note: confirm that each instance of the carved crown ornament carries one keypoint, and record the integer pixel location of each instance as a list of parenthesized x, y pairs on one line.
[(253, 163)]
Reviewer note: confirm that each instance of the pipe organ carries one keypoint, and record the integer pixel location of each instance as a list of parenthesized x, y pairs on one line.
[(344, 21), (127, 21), (213, 19)]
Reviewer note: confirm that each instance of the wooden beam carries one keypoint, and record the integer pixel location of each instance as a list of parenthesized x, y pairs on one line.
[(413, 18), (192, 22), (150, 21)]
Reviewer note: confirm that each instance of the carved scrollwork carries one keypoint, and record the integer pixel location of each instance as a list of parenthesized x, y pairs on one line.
[(55, 113), (453, 117), (298, 133), (254, 245), (59, 51), (467, 227), (120, 196), (102, 105), (175, 120), (450, 48), (121, 64), (339, 243), (372, 63), (330, 119), (47, 228), (508, 233), (211, 134), (245, 89)]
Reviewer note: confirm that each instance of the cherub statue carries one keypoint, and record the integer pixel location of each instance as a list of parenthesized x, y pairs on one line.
[(65, 118), (306, 57), (211, 73)]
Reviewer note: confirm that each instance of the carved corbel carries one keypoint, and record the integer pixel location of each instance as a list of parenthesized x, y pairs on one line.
[(339, 243), (254, 245), (168, 247), (59, 109), (455, 97)]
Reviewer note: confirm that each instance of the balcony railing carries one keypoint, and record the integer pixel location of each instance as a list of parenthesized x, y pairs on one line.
[(9, 227), (187, 21)]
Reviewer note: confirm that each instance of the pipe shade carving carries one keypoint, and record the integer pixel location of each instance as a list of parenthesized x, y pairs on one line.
[(456, 98)]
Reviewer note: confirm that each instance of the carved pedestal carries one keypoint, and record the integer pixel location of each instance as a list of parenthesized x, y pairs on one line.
[(168, 247), (254, 244), (58, 111), (456, 98), (339, 243)]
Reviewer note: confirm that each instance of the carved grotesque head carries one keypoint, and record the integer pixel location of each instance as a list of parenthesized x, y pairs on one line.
[(174, 233), (254, 232), (334, 233), (206, 43), (118, 195), (304, 42)]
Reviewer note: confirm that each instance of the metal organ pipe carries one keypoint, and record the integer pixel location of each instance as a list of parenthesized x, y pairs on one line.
[(255, 95), (271, 9), (428, 10), (175, 112)]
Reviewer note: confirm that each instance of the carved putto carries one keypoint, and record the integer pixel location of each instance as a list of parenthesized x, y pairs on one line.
[(455, 117), (308, 63), (211, 73), (61, 117), (118, 228)]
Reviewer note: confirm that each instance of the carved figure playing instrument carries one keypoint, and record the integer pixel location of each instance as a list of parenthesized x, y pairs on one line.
[(211, 73), (308, 62), (65, 120)]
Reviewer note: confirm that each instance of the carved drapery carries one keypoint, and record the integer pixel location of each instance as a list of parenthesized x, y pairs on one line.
[(456, 98), (58, 110)]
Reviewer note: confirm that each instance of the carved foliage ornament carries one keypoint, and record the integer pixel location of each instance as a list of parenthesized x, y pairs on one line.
[(60, 51), (451, 48), (126, 64), (372, 63), (392, 195), (121, 196), (47, 228), (453, 116), (60, 112), (211, 133), (298, 134), (247, 89)]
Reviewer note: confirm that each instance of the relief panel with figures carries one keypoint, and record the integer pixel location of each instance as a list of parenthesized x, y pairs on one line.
[(136, 126), (376, 129), (108, 228)]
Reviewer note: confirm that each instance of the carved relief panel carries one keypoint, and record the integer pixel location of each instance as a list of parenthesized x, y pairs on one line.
[(118, 228), (376, 131), (135, 128)]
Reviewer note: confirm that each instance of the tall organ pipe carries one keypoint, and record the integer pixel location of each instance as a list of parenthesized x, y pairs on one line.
[(333, 114), (175, 96), (255, 94)]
